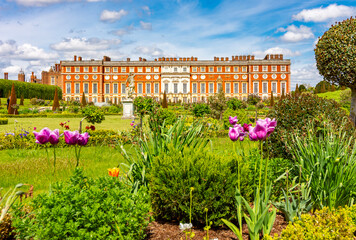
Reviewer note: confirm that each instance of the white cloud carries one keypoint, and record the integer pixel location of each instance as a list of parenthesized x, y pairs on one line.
[(305, 74), (150, 51), (112, 16), (12, 69), (146, 25), (295, 34), (7, 47), (29, 52), (147, 10), (323, 14), (38, 3), (276, 50), (83, 44)]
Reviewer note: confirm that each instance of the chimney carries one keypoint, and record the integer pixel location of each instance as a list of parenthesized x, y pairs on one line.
[(75, 58), (180, 59), (171, 59), (79, 58), (226, 59), (175, 59), (140, 59), (159, 59), (248, 57), (196, 59), (252, 57), (144, 60), (281, 56), (155, 59), (128, 59), (163, 59), (184, 59), (232, 58), (240, 57), (6, 76), (222, 58)]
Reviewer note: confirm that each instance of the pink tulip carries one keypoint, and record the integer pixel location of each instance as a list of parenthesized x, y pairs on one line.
[(233, 120), (71, 138), (83, 139), (236, 132), (42, 137), (54, 137)]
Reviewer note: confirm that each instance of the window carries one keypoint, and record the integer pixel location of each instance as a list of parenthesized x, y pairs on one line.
[(274, 68), (139, 69), (175, 69), (184, 69), (107, 99), (67, 69), (123, 88), (219, 87), (77, 88), (264, 87), (139, 88), (148, 88), (227, 69), (194, 69), (274, 87), (185, 89), (211, 87), (68, 88), (227, 87), (202, 69), (86, 69), (236, 69), (107, 88), (95, 88), (156, 69), (86, 87), (194, 85), (255, 68), (211, 69), (166, 87), (175, 87), (95, 69), (156, 87), (265, 68), (115, 88), (219, 69), (77, 99), (236, 87), (148, 69), (244, 87), (52, 81), (77, 69), (283, 87), (114, 69), (255, 87), (185, 99), (194, 99), (107, 69), (132, 69), (123, 69), (94, 99), (202, 88), (244, 69), (283, 68)]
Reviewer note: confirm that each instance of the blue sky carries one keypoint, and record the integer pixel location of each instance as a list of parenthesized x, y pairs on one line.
[(35, 34)]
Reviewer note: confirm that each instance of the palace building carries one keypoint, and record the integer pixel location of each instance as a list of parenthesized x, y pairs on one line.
[(183, 79)]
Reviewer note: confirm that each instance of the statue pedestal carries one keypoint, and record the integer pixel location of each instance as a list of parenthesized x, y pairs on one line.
[(128, 109)]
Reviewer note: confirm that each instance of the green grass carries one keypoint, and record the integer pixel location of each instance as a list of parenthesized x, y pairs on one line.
[(113, 122), (26, 102), (331, 95)]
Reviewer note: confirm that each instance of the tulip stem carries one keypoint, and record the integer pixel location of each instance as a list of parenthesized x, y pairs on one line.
[(259, 179), (54, 159), (77, 154), (266, 166)]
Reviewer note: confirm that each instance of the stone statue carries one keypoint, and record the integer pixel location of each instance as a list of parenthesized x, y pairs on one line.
[(130, 85)]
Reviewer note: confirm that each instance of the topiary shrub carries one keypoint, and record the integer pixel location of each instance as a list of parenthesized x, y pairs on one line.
[(213, 177), (324, 224), (293, 113), (4, 121), (201, 109), (85, 208)]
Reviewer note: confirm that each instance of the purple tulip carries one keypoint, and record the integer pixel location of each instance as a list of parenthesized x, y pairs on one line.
[(71, 138), (42, 137), (233, 134), (83, 139), (259, 132), (54, 137), (233, 120), (268, 124)]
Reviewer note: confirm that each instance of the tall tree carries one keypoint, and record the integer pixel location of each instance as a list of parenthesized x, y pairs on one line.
[(13, 102), (335, 58), (84, 100), (272, 99), (297, 90), (21, 100), (164, 101), (55, 106)]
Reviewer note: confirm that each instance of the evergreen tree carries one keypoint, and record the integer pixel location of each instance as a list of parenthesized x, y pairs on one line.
[(272, 99), (323, 89), (55, 101), (332, 88), (13, 101), (164, 101), (21, 100), (283, 94), (297, 90), (84, 101)]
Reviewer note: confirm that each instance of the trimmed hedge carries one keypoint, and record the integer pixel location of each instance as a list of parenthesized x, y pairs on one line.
[(29, 90), (4, 121)]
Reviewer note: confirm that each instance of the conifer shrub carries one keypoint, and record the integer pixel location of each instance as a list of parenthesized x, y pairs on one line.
[(21, 100), (13, 102), (84, 101), (55, 106), (293, 113), (85, 208), (213, 177), (164, 101)]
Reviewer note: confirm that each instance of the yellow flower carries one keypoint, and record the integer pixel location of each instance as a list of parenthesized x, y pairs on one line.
[(114, 172)]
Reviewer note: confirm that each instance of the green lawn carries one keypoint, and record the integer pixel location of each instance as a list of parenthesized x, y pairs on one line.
[(331, 95), (113, 122)]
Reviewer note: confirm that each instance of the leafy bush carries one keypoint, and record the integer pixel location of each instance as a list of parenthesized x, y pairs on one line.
[(84, 208), (234, 103), (241, 114), (292, 115), (93, 114), (161, 115), (4, 121), (324, 224), (253, 99), (201, 109), (217, 104), (212, 176), (260, 105)]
